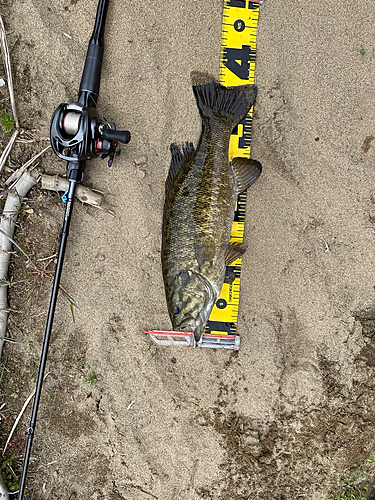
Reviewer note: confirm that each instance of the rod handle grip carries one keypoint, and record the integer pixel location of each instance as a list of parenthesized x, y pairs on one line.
[(90, 81)]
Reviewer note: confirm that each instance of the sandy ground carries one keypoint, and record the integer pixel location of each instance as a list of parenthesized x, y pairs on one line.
[(291, 413)]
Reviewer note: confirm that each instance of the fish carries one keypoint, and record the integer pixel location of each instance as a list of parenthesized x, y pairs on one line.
[(201, 191)]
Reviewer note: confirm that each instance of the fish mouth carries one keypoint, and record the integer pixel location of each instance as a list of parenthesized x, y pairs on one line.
[(186, 328), (183, 327)]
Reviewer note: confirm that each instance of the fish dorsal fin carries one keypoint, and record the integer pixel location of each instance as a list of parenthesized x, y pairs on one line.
[(247, 171), (179, 158), (234, 252)]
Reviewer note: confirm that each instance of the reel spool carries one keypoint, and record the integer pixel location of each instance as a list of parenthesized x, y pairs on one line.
[(71, 122)]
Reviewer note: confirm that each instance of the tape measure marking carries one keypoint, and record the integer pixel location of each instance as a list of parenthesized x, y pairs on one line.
[(237, 67)]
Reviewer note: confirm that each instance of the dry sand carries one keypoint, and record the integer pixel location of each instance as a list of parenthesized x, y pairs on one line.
[(289, 415)]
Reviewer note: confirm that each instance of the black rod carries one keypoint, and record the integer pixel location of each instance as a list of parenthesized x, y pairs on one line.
[(101, 15), (51, 313), (88, 93), (90, 82)]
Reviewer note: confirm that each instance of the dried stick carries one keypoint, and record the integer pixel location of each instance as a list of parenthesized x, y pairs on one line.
[(5, 154), (17, 174), (5, 51), (83, 193), (7, 224)]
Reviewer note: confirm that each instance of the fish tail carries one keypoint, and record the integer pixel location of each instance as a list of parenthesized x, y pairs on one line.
[(231, 103)]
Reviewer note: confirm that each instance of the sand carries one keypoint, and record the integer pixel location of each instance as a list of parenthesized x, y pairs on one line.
[(291, 413)]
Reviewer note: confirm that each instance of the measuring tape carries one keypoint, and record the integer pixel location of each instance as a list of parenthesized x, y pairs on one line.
[(237, 67)]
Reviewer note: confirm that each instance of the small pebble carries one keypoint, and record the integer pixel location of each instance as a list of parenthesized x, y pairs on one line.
[(141, 160)]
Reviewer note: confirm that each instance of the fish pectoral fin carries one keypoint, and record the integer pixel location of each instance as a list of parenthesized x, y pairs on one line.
[(247, 171), (234, 252), (204, 247), (179, 158)]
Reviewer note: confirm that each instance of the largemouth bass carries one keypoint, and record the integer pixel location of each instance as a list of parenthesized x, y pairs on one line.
[(200, 198)]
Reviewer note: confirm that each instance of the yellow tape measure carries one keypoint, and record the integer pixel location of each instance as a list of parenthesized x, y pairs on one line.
[(237, 67)]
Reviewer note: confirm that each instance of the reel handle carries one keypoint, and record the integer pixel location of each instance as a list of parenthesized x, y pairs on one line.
[(116, 135)]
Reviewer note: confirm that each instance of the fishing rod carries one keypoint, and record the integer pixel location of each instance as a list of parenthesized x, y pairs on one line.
[(77, 134)]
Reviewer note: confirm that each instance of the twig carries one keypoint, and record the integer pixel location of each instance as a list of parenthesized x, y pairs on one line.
[(327, 250), (4, 46), (62, 288), (17, 174), (4, 156), (47, 258), (25, 141), (20, 415), (5, 50), (83, 193)]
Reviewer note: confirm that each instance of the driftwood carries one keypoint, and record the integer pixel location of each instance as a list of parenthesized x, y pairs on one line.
[(7, 225), (83, 193)]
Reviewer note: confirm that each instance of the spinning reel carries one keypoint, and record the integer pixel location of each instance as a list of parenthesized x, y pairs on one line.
[(77, 134)]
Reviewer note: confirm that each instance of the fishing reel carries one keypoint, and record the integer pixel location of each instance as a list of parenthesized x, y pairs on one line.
[(77, 134)]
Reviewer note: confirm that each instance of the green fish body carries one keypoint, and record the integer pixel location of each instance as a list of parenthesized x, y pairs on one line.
[(200, 198)]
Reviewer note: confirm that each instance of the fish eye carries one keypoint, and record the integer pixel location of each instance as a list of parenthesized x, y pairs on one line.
[(176, 310)]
